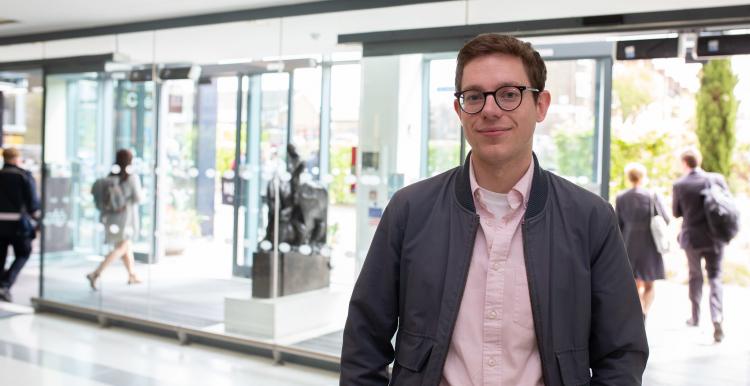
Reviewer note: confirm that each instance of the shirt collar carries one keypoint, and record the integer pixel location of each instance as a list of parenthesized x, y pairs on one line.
[(516, 196)]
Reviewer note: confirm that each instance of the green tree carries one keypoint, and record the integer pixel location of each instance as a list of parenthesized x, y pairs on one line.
[(716, 114), (575, 152), (652, 151), (339, 189), (632, 91)]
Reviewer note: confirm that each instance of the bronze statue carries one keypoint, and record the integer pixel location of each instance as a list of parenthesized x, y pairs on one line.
[(303, 208)]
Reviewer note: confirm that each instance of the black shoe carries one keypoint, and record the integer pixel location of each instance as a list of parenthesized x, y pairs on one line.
[(5, 295), (691, 322), (718, 332)]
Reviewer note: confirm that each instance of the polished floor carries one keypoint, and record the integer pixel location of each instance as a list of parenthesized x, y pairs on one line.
[(45, 349)]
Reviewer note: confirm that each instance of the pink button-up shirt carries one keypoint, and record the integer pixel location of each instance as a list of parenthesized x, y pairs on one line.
[(493, 341)]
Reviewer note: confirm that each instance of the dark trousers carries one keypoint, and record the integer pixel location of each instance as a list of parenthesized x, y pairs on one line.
[(713, 271), (22, 250)]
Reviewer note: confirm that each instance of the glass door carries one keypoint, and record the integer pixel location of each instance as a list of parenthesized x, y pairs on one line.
[(76, 154)]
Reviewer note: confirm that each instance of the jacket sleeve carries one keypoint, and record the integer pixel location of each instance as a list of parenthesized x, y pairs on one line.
[(618, 212), (31, 199), (618, 350), (373, 309), (660, 208), (137, 196), (676, 208)]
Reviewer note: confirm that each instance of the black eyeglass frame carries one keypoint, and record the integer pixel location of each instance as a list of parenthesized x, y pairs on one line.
[(459, 95)]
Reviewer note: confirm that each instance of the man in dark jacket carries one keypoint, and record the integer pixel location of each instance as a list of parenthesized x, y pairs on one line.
[(496, 272), (18, 206), (696, 239)]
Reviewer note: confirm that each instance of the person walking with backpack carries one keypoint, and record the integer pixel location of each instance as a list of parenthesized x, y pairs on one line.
[(696, 238), (636, 207), (117, 197), (19, 208)]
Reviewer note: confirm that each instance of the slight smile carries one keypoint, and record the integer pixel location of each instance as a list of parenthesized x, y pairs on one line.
[(494, 131)]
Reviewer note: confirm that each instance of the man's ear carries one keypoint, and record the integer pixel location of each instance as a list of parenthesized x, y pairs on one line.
[(457, 107), (542, 105)]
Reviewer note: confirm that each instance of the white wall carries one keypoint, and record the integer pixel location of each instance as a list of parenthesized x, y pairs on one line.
[(318, 34), (494, 11)]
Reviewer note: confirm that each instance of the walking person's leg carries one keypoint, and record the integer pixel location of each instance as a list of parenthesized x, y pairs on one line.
[(116, 253), (22, 250), (129, 259), (648, 296), (713, 271), (4, 292), (641, 286), (695, 284)]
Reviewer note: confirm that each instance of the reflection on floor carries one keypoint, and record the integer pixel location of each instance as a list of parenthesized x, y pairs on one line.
[(43, 350), (679, 355), (175, 291), (327, 344)]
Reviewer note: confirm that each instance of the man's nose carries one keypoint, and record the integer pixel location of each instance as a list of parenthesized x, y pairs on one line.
[(491, 110)]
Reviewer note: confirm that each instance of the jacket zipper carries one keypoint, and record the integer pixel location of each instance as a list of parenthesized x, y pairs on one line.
[(534, 305), (454, 317)]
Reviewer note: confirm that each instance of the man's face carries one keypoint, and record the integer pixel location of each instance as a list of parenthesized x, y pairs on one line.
[(496, 136)]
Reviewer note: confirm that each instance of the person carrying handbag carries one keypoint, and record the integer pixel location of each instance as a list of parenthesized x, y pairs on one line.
[(643, 221)]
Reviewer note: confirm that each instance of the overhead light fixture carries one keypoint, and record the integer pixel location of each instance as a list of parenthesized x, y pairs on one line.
[(648, 49), (722, 45), (141, 75), (180, 72), (668, 35)]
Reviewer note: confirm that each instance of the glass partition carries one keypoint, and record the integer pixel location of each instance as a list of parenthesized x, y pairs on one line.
[(566, 142), (76, 134)]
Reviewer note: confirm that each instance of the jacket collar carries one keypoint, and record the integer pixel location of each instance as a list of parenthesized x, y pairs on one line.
[(537, 197)]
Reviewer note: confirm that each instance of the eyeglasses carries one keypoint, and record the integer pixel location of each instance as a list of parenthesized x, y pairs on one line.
[(508, 98)]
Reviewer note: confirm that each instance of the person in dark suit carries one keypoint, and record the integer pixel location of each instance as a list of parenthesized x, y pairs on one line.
[(19, 205), (634, 208), (696, 239)]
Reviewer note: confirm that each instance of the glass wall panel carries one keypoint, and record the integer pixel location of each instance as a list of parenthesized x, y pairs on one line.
[(306, 116), (76, 156), (444, 129), (22, 93), (566, 141), (341, 176), (135, 129), (197, 168)]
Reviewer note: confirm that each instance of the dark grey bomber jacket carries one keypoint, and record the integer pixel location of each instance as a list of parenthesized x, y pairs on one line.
[(587, 316)]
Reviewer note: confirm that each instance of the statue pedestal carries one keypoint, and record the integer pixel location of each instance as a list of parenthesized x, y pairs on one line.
[(297, 273), (290, 318)]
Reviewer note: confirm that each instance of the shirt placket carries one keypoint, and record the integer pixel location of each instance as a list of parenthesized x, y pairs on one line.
[(495, 313)]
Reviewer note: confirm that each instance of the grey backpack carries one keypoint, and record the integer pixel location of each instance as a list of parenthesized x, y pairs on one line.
[(108, 195)]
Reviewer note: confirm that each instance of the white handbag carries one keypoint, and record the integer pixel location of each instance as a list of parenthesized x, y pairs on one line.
[(659, 229)]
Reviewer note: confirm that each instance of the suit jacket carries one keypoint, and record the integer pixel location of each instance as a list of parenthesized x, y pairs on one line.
[(687, 202)]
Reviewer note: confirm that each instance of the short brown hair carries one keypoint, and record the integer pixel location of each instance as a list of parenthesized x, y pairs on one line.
[(691, 157), (493, 43), (635, 172), (10, 154)]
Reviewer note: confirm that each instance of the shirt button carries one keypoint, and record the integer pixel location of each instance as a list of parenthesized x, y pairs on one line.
[(491, 362), (495, 266), (493, 314)]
